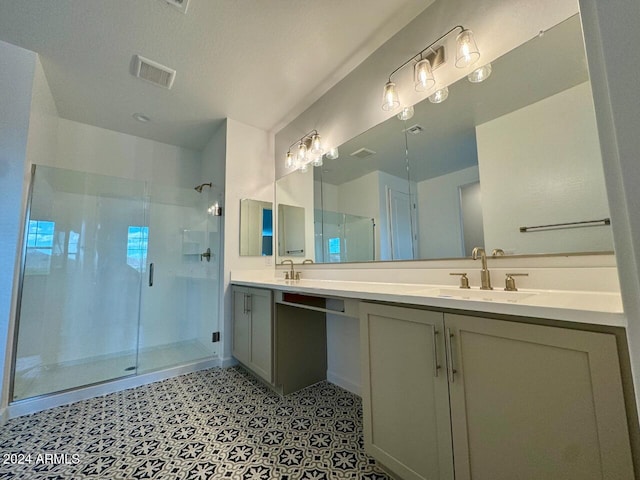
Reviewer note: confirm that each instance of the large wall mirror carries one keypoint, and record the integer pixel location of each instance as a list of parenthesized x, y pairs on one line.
[(512, 163)]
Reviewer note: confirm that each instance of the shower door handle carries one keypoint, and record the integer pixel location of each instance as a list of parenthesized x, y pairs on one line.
[(151, 274)]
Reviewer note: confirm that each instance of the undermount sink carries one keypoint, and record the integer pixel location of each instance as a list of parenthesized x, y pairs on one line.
[(477, 294)]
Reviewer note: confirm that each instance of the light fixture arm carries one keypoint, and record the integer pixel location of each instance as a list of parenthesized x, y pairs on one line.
[(429, 47), (304, 138)]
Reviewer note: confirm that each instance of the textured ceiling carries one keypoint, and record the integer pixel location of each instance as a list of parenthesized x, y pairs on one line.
[(259, 62)]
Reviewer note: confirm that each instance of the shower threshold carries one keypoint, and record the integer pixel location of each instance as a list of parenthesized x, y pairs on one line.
[(51, 387)]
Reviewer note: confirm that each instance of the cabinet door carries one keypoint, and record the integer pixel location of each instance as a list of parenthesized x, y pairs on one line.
[(535, 402), (404, 391), (261, 339), (241, 323)]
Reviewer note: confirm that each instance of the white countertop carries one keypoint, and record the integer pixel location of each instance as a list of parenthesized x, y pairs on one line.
[(600, 308)]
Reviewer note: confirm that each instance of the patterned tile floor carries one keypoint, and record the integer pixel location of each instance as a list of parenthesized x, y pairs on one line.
[(213, 424)]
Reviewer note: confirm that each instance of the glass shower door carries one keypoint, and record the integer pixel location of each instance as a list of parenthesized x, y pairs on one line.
[(84, 257), (179, 309)]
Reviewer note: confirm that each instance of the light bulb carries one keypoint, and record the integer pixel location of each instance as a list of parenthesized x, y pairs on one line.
[(316, 145), (302, 152), (406, 113), (333, 153), (467, 52), (440, 95), (480, 74), (290, 160), (390, 100), (423, 76), (317, 161)]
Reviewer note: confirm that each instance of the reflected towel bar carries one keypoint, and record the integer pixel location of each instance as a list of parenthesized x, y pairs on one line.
[(586, 223)]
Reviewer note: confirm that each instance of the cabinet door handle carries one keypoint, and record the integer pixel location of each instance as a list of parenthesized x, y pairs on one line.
[(436, 366), (451, 369), (247, 303), (151, 274)]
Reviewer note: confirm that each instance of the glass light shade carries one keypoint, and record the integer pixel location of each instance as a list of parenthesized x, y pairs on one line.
[(480, 74), (423, 76), (317, 161), (304, 168), (390, 100), (467, 52), (406, 113), (290, 162), (316, 145), (333, 153), (302, 153), (440, 95)]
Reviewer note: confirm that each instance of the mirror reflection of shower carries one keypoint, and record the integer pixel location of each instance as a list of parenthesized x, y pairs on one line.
[(201, 186)]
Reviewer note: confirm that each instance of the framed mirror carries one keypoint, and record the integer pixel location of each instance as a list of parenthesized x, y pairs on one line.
[(256, 228), (512, 163)]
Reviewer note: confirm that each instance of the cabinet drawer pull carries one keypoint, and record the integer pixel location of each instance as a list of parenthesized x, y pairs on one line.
[(451, 369), (436, 365)]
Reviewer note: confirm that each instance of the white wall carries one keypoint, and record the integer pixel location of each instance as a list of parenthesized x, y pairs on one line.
[(249, 174), (16, 75), (514, 174), (440, 232), (86, 148), (354, 104)]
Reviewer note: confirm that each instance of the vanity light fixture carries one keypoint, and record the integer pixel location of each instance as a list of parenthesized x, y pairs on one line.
[(309, 150), (427, 60)]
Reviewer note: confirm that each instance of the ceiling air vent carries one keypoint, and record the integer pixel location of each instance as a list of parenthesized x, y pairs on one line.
[(153, 72), (363, 153), (181, 5), (414, 130)]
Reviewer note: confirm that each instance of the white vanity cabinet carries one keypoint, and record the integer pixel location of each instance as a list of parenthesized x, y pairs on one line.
[(253, 329), (510, 400)]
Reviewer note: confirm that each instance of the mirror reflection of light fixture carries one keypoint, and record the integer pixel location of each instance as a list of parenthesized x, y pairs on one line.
[(406, 113), (439, 95), (332, 153), (480, 74), (467, 54), (309, 150)]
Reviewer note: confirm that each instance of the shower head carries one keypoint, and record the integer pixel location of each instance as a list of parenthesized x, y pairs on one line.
[(200, 187)]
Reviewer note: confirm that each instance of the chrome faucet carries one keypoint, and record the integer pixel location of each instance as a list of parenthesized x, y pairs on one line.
[(485, 277), (289, 276)]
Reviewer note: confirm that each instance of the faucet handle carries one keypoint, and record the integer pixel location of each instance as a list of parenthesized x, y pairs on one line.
[(497, 252), (297, 276), (286, 275), (464, 280), (510, 282)]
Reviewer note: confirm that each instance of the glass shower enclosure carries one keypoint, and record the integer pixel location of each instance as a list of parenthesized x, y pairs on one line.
[(116, 281)]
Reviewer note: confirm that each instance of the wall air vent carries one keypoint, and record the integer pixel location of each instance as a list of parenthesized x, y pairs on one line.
[(153, 72), (414, 130), (181, 5), (363, 153)]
